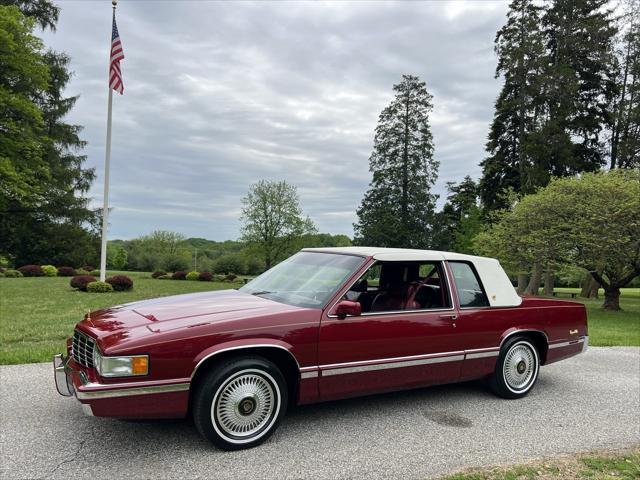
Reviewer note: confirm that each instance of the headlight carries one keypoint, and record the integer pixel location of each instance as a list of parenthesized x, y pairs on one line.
[(124, 366)]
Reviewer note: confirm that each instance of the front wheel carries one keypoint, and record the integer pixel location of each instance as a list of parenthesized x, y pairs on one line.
[(516, 370), (240, 403)]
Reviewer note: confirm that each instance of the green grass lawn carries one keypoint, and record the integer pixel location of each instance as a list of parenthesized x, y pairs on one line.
[(38, 314), (608, 328), (624, 464)]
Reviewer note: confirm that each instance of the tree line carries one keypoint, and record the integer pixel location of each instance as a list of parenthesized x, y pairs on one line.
[(569, 105)]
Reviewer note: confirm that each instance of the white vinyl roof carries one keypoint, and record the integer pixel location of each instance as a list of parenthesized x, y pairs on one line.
[(495, 281)]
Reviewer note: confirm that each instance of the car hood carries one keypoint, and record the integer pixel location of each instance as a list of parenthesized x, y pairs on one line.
[(181, 311)]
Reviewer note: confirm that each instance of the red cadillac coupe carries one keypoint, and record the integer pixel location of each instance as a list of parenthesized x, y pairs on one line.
[(325, 324)]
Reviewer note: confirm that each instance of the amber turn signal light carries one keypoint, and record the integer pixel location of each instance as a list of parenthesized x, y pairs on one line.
[(139, 365)]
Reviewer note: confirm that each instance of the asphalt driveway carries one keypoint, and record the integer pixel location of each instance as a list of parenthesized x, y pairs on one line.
[(590, 401)]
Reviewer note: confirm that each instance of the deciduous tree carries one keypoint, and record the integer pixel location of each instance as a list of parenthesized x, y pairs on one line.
[(591, 221), (273, 220)]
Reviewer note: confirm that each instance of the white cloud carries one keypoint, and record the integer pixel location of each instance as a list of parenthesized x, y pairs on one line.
[(220, 95)]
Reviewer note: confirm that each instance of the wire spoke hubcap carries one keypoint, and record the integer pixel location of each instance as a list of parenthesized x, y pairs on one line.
[(520, 366), (244, 404)]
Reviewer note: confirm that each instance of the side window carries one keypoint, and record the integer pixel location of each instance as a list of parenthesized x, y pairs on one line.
[(470, 290), (396, 286)]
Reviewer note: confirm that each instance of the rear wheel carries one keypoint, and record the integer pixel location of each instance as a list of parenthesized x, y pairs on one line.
[(517, 368), (240, 403)]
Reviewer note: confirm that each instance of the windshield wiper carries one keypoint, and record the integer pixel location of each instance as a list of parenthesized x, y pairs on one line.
[(261, 292)]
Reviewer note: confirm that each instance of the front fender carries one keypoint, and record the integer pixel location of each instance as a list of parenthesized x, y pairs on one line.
[(239, 345)]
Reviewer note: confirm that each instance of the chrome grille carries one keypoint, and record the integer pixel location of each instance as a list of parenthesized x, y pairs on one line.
[(82, 349)]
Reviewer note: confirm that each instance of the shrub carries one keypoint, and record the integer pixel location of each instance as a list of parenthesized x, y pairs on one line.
[(205, 276), (66, 272), (49, 270), (88, 268), (230, 278), (1, 274), (192, 276), (31, 271), (94, 273), (229, 263), (218, 278), (12, 274), (254, 266), (120, 283), (99, 287), (81, 281), (158, 273), (165, 277), (82, 271), (179, 275)]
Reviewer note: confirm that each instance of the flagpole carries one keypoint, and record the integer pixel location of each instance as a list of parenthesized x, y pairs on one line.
[(107, 159)]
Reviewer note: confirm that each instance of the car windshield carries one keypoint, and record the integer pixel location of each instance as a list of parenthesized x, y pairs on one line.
[(307, 279)]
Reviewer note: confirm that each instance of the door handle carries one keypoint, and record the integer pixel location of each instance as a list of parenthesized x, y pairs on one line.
[(451, 316)]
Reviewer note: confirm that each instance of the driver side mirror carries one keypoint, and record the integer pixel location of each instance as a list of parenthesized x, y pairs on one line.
[(348, 308)]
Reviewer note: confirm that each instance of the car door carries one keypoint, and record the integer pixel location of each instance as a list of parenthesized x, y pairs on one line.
[(387, 350)]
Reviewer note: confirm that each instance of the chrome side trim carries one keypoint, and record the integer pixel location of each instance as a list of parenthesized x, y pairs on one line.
[(241, 347), (524, 331), (129, 392), (470, 354), (384, 364), (566, 344), (310, 374)]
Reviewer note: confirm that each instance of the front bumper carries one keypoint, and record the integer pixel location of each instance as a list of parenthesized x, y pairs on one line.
[(64, 382), (152, 399)]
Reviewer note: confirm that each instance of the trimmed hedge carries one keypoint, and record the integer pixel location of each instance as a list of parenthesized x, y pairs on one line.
[(94, 273), (81, 281), (49, 270), (158, 273), (179, 275), (12, 274), (230, 278), (88, 268), (81, 271), (31, 271), (99, 287), (205, 276), (165, 277), (66, 271), (192, 276), (120, 283)]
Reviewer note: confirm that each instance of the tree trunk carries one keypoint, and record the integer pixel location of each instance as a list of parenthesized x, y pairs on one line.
[(549, 281), (595, 286), (586, 285), (522, 282), (589, 287), (611, 299), (535, 280)]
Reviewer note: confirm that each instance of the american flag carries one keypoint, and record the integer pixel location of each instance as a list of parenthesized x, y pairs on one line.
[(117, 54)]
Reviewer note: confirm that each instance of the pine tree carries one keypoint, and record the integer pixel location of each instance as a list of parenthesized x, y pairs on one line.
[(460, 218), (397, 210), (579, 86), (44, 212), (624, 140), (519, 45)]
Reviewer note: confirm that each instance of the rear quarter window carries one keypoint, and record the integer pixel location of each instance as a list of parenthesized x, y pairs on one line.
[(470, 291)]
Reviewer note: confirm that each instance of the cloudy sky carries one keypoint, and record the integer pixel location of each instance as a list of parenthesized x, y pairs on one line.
[(219, 95)]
